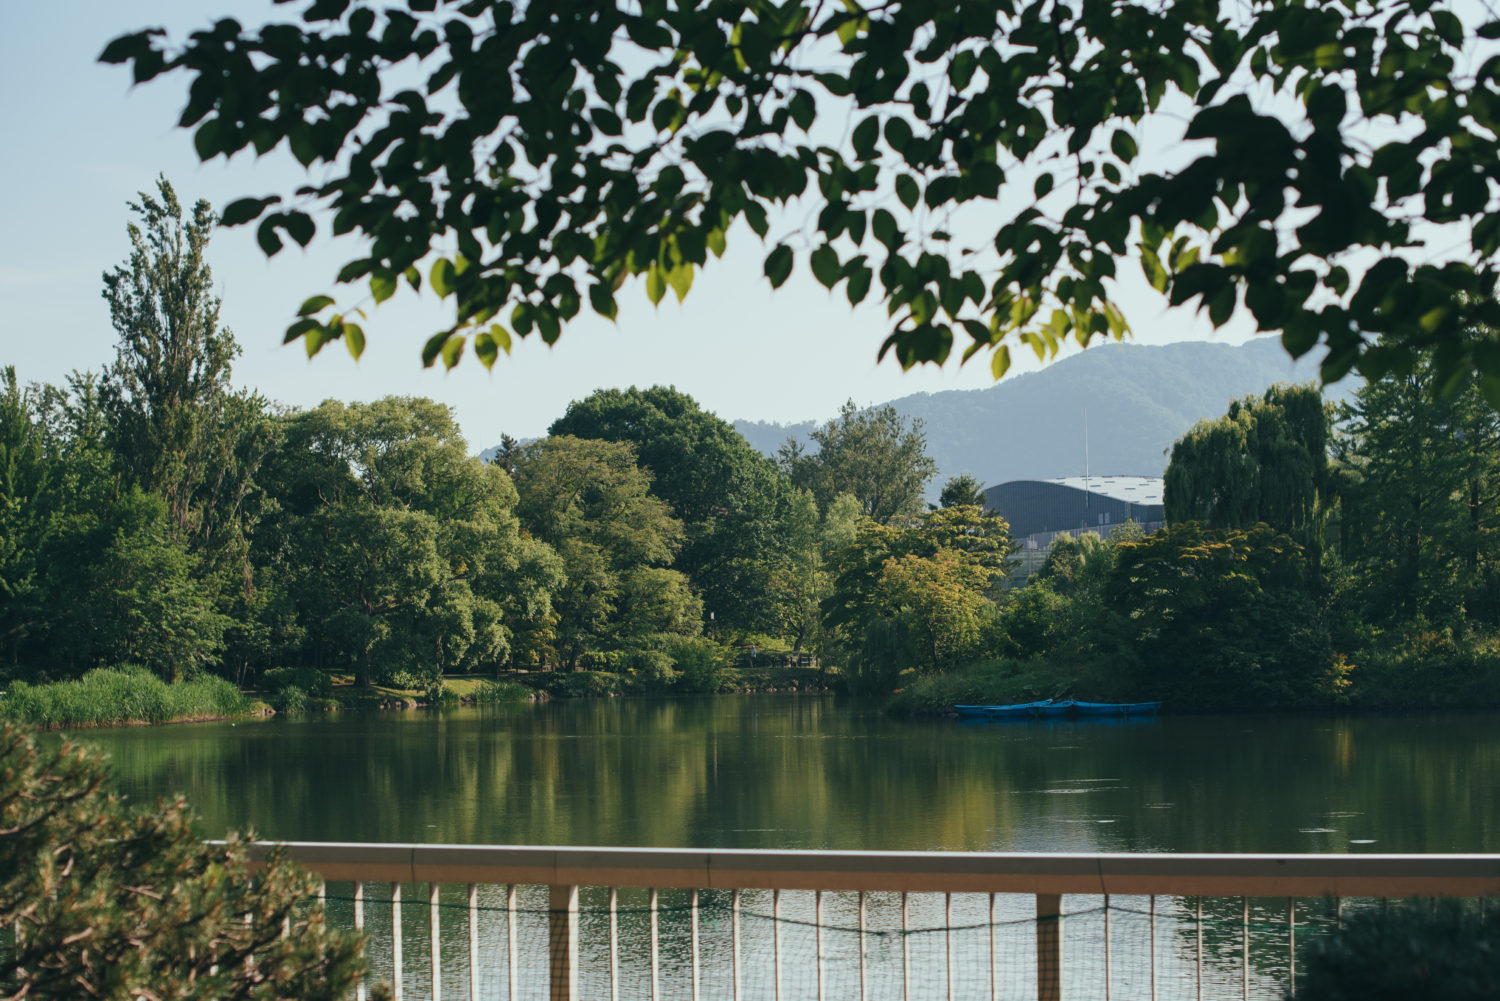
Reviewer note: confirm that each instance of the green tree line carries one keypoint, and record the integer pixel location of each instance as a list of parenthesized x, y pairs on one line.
[(151, 513)]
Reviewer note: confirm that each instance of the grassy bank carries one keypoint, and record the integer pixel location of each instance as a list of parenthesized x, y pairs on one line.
[(722, 681), (113, 696), (992, 682)]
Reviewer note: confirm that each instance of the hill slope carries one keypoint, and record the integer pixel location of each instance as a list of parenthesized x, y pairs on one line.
[(1138, 400)]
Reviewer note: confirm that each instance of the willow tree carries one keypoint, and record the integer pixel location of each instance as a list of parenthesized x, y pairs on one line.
[(1265, 461)]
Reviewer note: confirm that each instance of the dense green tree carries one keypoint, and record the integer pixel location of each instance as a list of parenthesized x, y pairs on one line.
[(942, 602), (730, 499), (400, 551), (1420, 458), (1266, 461), (915, 593), (140, 600), (962, 491), (592, 502), (872, 454), (560, 151), (24, 481), (1221, 618), (177, 427)]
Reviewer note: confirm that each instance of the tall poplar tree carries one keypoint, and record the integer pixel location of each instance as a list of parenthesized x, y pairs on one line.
[(177, 427)]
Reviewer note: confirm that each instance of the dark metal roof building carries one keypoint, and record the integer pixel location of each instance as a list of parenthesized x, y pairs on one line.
[(1077, 504)]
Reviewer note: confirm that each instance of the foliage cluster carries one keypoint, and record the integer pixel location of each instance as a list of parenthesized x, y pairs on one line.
[(106, 900), (545, 157), (1413, 949)]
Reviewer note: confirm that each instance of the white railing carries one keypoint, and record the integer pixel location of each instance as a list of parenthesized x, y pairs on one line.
[(1186, 880)]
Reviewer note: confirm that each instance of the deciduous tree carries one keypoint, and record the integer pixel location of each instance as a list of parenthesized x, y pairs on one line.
[(873, 455), (974, 165)]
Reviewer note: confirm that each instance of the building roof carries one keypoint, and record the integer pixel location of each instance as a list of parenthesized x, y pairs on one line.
[(1131, 489)]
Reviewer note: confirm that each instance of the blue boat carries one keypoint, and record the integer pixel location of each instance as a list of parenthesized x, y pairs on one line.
[(1116, 708), (1059, 707), (990, 712)]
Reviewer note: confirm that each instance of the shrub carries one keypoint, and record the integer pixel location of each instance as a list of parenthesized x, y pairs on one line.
[(290, 700), (114, 901), (311, 680), (1414, 950), (489, 692), (700, 664), (582, 684), (437, 694), (652, 669), (407, 678)]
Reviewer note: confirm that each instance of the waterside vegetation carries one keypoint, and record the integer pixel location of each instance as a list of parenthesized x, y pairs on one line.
[(150, 514)]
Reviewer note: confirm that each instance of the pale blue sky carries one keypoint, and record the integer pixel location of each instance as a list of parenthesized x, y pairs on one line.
[(80, 142)]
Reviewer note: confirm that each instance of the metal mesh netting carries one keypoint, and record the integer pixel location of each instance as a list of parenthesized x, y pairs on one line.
[(800, 944)]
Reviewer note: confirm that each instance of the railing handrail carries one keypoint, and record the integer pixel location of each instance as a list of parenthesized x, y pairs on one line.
[(1186, 874)]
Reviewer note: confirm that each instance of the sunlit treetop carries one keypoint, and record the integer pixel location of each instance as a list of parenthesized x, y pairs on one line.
[(972, 164)]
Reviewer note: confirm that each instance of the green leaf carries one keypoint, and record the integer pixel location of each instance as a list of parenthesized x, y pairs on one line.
[(1043, 186), (779, 265), (243, 210), (656, 286), (300, 226), (434, 347), (354, 340), (266, 236), (907, 190), (883, 225), (804, 110), (441, 276), (313, 305), (453, 350), (299, 329), (602, 298), (715, 241), (897, 134), (825, 266), (487, 348), (865, 134), (1122, 144), (382, 285), (1000, 361), (680, 279), (208, 141), (858, 286)]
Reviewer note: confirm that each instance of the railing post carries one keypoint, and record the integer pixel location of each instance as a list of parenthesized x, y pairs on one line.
[(1049, 947), (562, 942)]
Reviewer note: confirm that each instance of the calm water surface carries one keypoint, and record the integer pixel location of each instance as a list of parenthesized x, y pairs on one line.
[(824, 772)]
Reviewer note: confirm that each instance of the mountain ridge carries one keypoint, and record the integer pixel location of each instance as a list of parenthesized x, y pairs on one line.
[(1120, 405)]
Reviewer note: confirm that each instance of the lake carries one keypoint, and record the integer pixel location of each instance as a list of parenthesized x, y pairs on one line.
[(787, 771), (790, 771)]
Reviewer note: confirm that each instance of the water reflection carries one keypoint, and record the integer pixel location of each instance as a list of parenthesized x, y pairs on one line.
[(819, 772)]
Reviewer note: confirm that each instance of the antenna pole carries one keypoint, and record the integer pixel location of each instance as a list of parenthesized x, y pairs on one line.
[(1085, 467)]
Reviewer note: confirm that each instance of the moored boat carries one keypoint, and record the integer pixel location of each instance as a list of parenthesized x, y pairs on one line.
[(1116, 708), (987, 712), (1058, 707)]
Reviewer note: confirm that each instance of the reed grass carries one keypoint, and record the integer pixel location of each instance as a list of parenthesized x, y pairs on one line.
[(114, 695)]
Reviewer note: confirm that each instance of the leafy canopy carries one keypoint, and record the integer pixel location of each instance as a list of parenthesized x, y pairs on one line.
[(540, 155)]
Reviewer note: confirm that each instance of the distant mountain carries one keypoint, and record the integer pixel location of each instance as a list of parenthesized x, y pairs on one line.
[(1138, 401)]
